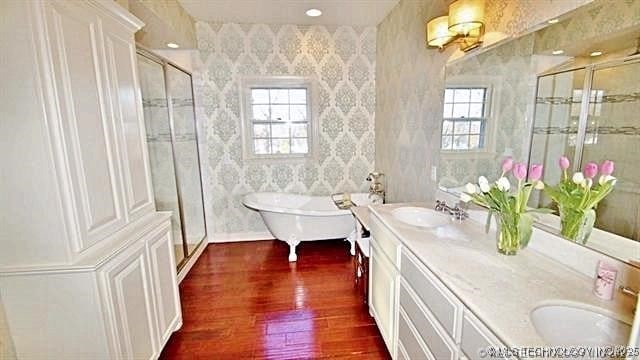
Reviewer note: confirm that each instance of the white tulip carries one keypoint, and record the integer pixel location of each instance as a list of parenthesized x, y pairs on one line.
[(539, 185), (607, 178), (578, 178), (484, 184), (465, 198), (503, 184), (471, 189), (588, 183)]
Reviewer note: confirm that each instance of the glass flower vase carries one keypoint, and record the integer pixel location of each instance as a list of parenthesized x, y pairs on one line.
[(576, 225), (513, 232)]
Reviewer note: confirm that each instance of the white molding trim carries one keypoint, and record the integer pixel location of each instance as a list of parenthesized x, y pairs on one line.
[(240, 236), (192, 260)]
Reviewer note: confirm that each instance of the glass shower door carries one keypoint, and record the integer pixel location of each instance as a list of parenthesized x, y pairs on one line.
[(613, 132), (187, 161), (156, 117)]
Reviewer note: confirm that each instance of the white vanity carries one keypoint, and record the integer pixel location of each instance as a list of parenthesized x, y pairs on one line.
[(443, 292)]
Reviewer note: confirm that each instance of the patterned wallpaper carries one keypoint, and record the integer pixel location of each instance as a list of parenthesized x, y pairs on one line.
[(175, 20), (341, 62), (410, 85)]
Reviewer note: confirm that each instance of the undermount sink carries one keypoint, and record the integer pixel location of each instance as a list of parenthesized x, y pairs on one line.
[(561, 324), (419, 216)]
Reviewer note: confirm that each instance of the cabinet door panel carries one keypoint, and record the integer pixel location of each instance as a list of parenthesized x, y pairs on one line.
[(165, 283), (383, 294), (87, 143), (126, 105), (130, 295)]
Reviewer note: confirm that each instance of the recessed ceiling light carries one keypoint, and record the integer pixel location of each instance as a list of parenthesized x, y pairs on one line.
[(557, 52), (596, 53), (173, 45), (313, 12), (553, 21)]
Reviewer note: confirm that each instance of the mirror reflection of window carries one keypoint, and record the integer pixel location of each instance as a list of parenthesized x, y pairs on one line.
[(464, 118)]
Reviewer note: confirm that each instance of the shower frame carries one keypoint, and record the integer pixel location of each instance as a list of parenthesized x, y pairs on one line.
[(584, 105), (165, 63)]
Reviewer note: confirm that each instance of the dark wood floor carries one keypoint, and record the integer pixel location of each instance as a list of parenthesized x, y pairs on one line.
[(246, 301)]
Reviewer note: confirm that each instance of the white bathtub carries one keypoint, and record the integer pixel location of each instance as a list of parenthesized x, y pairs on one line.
[(294, 218)]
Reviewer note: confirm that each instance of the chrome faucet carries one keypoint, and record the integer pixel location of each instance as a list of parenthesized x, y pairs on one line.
[(457, 212)]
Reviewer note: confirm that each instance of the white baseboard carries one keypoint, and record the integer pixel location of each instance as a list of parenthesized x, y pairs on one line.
[(240, 236), (192, 260)]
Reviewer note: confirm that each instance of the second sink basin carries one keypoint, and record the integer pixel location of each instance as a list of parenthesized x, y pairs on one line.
[(563, 324), (419, 216)]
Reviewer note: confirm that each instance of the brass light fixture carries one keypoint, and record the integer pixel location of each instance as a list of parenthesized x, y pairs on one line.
[(464, 25)]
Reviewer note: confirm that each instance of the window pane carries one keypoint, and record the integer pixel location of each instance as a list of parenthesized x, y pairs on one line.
[(298, 96), (299, 146), (460, 110), (477, 95), (279, 96), (461, 127), (260, 130), (446, 142), (280, 130), (259, 96), (475, 127), (261, 146), (448, 95), (475, 110), (298, 113), (280, 146), (447, 110), (447, 127), (461, 142), (474, 141), (280, 112), (462, 95), (260, 112), (299, 130)]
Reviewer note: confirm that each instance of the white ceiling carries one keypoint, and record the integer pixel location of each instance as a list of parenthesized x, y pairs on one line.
[(334, 12)]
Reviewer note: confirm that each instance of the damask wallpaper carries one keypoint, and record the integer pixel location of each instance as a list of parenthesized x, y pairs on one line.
[(341, 62)]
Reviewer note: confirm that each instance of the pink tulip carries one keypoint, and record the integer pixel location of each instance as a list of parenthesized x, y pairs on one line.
[(607, 167), (564, 163), (520, 171), (535, 173), (590, 170), (507, 164)]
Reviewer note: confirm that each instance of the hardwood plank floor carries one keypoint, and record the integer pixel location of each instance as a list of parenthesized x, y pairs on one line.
[(246, 301)]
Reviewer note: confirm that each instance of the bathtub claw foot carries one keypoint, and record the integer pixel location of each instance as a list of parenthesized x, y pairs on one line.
[(352, 241), (293, 243)]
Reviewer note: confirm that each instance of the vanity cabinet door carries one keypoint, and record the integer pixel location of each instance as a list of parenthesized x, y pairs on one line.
[(383, 294), (129, 296), (165, 283), (87, 146), (476, 337)]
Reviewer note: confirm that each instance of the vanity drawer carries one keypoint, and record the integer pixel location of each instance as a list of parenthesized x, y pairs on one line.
[(408, 341), (444, 306), (429, 330), (476, 336), (386, 241)]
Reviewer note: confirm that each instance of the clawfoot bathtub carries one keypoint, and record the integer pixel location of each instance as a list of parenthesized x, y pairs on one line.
[(295, 218)]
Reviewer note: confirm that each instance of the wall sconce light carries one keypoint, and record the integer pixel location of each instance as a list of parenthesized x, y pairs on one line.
[(464, 25)]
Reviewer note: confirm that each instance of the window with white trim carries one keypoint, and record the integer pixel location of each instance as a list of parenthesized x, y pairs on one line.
[(278, 121), (464, 124)]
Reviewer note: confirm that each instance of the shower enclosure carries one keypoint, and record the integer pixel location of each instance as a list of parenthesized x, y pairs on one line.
[(167, 98), (591, 113)]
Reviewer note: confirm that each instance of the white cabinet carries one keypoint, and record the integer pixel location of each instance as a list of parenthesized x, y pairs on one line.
[(87, 269), (418, 316)]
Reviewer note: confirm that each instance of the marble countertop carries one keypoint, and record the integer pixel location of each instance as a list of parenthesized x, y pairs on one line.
[(500, 290)]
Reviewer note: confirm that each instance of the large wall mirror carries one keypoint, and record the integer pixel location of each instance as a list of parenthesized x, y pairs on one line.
[(571, 88)]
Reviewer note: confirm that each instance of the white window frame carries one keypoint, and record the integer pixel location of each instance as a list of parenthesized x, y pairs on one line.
[(283, 82), (491, 96)]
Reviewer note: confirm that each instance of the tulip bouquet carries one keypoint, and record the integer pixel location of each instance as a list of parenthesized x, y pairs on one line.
[(514, 219), (577, 197)]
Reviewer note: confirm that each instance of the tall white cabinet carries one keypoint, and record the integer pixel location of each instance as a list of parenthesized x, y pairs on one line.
[(86, 263)]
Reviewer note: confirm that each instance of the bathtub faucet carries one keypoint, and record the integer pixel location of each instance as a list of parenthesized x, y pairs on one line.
[(376, 188)]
